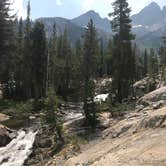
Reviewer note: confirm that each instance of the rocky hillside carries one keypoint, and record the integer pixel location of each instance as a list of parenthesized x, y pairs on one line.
[(138, 139), (149, 25)]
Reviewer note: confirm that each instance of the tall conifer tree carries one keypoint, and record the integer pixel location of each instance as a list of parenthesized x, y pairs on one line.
[(122, 54), (6, 47), (27, 58), (90, 68), (145, 63), (39, 60)]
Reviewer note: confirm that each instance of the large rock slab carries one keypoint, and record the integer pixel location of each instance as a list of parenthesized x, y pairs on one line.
[(4, 117), (154, 97), (139, 139)]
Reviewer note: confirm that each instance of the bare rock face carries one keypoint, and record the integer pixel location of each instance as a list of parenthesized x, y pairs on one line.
[(131, 141), (140, 86), (5, 135), (3, 117), (155, 99)]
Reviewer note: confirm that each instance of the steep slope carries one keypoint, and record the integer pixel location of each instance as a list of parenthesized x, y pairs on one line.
[(149, 25), (100, 23), (148, 16), (139, 139), (74, 32)]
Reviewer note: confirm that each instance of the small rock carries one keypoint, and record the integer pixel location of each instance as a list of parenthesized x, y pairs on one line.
[(139, 108), (158, 105)]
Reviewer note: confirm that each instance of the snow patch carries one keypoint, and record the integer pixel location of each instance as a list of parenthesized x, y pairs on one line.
[(101, 98)]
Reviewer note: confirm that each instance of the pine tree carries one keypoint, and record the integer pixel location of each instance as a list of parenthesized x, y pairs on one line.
[(39, 60), (162, 61), (90, 68), (27, 57), (76, 73), (139, 63), (109, 56), (18, 72), (153, 64), (53, 59), (64, 54), (145, 63), (7, 48), (122, 54), (102, 59), (52, 116)]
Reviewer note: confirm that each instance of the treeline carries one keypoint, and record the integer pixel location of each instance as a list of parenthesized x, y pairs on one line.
[(31, 63), (38, 62)]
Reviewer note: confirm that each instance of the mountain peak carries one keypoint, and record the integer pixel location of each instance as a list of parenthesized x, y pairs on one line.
[(91, 14), (154, 4), (100, 23), (148, 16), (152, 7)]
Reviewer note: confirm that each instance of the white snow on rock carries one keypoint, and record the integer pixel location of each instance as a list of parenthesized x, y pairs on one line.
[(101, 98)]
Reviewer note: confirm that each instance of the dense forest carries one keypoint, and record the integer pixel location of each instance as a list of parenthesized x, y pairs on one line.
[(49, 69)]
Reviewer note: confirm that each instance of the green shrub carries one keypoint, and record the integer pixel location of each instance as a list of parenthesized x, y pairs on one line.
[(52, 116)]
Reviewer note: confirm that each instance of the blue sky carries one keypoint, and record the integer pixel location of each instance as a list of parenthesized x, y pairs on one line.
[(74, 8)]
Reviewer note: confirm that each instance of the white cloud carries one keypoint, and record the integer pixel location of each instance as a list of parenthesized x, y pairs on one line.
[(59, 2), (18, 8)]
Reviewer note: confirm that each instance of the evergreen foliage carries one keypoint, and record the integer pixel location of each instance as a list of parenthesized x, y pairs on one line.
[(145, 63), (162, 60), (153, 64), (52, 117), (7, 48), (122, 52), (39, 61), (90, 68)]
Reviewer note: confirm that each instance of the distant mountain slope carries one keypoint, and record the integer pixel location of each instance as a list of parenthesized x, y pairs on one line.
[(149, 25), (148, 16), (75, 32), (100, 23)]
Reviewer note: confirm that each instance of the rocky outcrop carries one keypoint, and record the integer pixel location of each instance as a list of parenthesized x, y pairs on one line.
[(141, 84), (6, 135), (131, 141), (145, 85), (155, 99), (3, 117)]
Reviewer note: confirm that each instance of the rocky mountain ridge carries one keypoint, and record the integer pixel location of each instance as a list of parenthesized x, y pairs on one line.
[(149, 26)]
